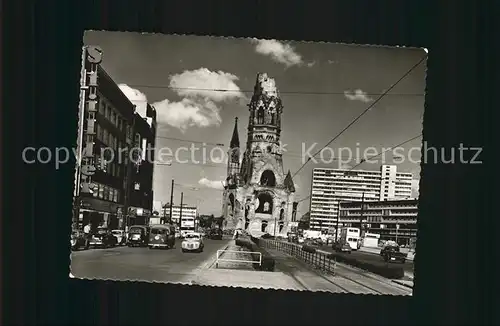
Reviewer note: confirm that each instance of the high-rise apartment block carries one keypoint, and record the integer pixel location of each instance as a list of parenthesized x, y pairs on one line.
[(332, 186)]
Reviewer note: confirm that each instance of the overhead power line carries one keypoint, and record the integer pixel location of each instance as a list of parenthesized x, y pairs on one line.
[(374, 156), (362, 113), (251, 91)]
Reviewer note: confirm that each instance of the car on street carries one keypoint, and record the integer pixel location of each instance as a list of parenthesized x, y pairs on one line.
[(103, 238), (342, 247), (121, 237), (162, 236), (192, 242), (215, 234), (293, 237), (78, 240), (138, 236), (390, 253)]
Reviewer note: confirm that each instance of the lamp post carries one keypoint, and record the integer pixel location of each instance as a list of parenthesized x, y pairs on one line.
[(337, 226)]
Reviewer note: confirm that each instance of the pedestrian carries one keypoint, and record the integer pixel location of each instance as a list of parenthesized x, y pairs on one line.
[(86, 232)]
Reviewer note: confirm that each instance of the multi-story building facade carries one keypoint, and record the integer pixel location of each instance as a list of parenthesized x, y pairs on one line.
[(332, 186), (392, 219), (105, 138), (105, 122), (186, 217), (141, 175)]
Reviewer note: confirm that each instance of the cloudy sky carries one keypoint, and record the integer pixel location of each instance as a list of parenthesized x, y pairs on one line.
[(200, 84)]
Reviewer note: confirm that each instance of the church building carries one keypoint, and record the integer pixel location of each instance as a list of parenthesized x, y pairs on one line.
[(258, 196)]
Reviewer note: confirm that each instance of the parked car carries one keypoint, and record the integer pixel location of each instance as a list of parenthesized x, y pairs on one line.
[(103, 238), (391, 253), (215, 234), (138, 236), (342, 247), (77, 241), (192, 242), (121, 237)]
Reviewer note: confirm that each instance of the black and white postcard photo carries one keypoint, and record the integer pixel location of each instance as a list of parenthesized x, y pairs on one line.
[(244, 162)]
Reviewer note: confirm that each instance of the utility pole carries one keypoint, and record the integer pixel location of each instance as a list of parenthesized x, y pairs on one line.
[(180, 210), (361, 214), (171, 200)]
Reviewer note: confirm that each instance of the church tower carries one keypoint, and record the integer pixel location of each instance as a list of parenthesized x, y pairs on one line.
[(259, 199), (233, 161), (232, 180)]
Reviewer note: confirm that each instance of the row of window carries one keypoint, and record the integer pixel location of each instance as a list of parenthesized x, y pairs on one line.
[(107, 111), (106, 192)]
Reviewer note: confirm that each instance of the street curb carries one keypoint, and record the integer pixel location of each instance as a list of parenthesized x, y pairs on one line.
[(403, 284)]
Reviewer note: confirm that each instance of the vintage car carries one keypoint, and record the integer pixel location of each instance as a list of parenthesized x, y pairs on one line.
[(390, 253), (215, 234), (138, 236), (78, 241), (103, 238), (192, 242), (161, 236), (121, 237), (341, 247), (292, 237)]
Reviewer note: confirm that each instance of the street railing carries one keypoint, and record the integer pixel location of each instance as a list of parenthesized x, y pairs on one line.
[(220, 253), (317, 259)]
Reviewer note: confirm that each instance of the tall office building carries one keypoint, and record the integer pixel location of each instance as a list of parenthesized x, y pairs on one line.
[(331, 186)]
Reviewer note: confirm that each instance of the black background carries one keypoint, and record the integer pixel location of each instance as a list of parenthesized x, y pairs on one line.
[(457, 267)]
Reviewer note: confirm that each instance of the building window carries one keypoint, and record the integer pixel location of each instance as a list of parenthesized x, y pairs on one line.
[(101, 191), (102, 107), (105, 136), (107, 113), (112, 117), (119, 123), (117, 195)]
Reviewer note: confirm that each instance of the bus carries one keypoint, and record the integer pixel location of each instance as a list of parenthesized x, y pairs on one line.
[(371, 240), (351, 236)]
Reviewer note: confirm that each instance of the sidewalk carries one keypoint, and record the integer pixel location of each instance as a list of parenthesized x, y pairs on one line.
[(302, 274)]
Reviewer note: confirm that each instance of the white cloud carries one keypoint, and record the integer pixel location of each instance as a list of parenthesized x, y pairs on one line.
[(278, 51), (188, 113), (332, 62), (211, 184), (344, 166), (202, 91), (357, 95), (415, 184), (310, 64), (137, 98), (202, 83)]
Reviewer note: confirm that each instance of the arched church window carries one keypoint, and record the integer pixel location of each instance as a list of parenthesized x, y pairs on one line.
[(231, 202), (265, 204), (263, 226), (260, 115), (273, 118), (267, 179), (282, 214)]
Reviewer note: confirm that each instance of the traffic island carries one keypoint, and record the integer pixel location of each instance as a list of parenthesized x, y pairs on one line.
[(386, 270), (267, 262)]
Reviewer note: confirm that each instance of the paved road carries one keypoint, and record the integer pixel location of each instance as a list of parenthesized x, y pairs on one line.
[(366, 256), (124, 263)]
